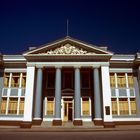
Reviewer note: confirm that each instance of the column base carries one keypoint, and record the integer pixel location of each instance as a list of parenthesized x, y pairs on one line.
[(98, 122), (26, 125), (37, 122), (57, 122), (109, 125), (77, 122)]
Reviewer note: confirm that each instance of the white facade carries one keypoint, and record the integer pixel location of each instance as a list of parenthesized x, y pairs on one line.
[(105, 93)]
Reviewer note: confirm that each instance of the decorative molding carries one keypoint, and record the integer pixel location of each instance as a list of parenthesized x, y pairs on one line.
[(14, 70), (67, 49), (123, 57), (118, 70), (69, 64), (13, 58)]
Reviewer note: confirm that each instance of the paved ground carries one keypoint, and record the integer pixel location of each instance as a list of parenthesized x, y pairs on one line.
[(69, 128), (100, 135), (69, 132)]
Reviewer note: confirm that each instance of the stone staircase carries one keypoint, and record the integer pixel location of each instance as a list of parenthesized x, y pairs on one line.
[(68, 125)]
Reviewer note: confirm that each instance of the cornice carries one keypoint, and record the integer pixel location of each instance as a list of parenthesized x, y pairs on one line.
[(70, 64), (122, 57), (13, 58), (78, 57)]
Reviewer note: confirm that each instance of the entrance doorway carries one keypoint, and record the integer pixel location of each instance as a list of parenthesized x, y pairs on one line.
[(68, 109)]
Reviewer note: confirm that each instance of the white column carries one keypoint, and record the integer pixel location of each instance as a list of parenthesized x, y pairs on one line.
[(77, 98), (57, 116), (77, 95), (97, 95), (38, 95), (106, 91), (28, 105), (58, 94)]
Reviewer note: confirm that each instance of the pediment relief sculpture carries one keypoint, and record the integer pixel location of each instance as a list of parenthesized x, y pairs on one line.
[(67, 49)]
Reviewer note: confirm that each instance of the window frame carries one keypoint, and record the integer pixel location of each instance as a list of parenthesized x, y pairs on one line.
[(8, 76), (46, 106), (11, 103), (86, 99), (118, 98), (121, 80), (15, 77)]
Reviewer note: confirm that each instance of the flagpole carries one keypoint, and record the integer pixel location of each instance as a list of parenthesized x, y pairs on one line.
[(67, 27)]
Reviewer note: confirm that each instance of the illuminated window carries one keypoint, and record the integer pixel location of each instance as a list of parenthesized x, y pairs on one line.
[(21, 106), (112, 80), (130, 80), (3, 106), (15, 80), (123, 105), (50, 106), (85, 106), (133, 105), (114, 106), (6, 79), (121, 80), (12, 107), (24, 80)]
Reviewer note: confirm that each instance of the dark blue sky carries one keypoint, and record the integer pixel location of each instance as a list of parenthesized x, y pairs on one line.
[(112, 23)]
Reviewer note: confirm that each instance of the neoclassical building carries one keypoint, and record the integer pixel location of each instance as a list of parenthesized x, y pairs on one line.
[(69, 80)]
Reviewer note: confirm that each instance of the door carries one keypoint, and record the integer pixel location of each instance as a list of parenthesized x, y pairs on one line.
[(68, 110)]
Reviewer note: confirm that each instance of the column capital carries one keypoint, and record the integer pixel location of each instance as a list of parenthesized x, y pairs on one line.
[(77, 66), (30, 65), (39, 66), (58, 67), (96, 66)]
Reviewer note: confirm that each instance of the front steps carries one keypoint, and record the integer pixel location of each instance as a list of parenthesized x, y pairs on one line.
[(47, 124)]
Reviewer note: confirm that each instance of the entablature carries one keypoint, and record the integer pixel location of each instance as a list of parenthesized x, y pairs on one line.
[(70, 64)]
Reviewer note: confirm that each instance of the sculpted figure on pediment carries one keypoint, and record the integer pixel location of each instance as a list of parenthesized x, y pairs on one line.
[(68, 49)]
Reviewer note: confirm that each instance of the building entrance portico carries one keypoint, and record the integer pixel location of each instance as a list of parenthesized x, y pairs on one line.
[(71, 85), (68, 93)]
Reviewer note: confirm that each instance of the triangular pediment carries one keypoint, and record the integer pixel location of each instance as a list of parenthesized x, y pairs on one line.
[(67, 46), (67, 49)]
